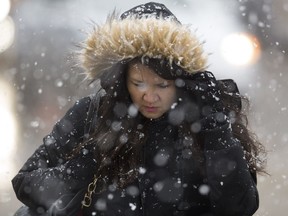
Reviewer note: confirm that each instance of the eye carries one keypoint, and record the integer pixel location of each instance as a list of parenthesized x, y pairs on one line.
[(139, 84), (163, 85)]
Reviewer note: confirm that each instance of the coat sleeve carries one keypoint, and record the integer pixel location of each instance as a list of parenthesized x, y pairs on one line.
[(232, 186), (47, 175)]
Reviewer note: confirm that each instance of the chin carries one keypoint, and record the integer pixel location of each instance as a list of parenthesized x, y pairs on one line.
[(152, 115)]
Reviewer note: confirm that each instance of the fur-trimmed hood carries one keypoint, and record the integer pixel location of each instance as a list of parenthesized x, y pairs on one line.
[(121, 39)]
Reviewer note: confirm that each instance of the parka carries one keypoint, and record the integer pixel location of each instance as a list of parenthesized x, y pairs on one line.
[(225, 187)]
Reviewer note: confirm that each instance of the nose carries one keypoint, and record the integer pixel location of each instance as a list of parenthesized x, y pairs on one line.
[(150, 96)]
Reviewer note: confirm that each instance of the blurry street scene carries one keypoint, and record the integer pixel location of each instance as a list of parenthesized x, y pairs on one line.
[(247, 40)]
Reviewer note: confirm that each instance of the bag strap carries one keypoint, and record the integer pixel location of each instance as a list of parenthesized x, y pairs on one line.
[(231, 89), (92, 117), (90, 190), (92, 114)]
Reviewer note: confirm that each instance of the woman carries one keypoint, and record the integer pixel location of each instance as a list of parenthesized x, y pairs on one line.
[(160, 135)]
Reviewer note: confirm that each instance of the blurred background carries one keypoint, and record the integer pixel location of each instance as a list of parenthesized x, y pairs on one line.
[(247, 40)]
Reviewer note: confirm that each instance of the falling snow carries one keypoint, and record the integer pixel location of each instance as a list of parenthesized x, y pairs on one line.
[(44, 84)]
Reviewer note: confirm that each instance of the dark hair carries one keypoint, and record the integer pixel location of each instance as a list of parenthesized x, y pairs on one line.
[(118, 137), (239, 106)]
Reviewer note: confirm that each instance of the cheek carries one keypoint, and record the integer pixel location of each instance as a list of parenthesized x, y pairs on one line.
[(134, 94), (169, 97), (172, 99), (172, 95)]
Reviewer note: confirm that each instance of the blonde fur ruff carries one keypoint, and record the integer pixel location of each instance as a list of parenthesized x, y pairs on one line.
[(117, 40)]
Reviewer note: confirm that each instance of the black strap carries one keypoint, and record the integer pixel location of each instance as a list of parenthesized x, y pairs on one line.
[(92, 114), (231, 90)]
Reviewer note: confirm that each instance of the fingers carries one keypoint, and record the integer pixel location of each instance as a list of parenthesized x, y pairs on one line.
[(204, 85), (205, 91)]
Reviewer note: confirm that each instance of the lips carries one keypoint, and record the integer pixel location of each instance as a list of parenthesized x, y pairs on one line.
[(150, 109)]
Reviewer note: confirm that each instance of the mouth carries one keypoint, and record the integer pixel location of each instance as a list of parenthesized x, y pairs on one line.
[(150, 109)]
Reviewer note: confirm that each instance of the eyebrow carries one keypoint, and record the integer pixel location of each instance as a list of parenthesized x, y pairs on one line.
[(156, 83), (135, 79)]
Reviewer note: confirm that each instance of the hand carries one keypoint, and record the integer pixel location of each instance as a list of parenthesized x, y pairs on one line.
[(205, 89)]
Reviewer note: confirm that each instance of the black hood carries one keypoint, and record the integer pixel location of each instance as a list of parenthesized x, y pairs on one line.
[(150, 9), (149, 32)]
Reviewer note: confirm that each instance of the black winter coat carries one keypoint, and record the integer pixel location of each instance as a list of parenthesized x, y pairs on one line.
[(172, 181)]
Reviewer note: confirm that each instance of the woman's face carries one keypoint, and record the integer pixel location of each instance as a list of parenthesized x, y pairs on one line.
[(152, 94)]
